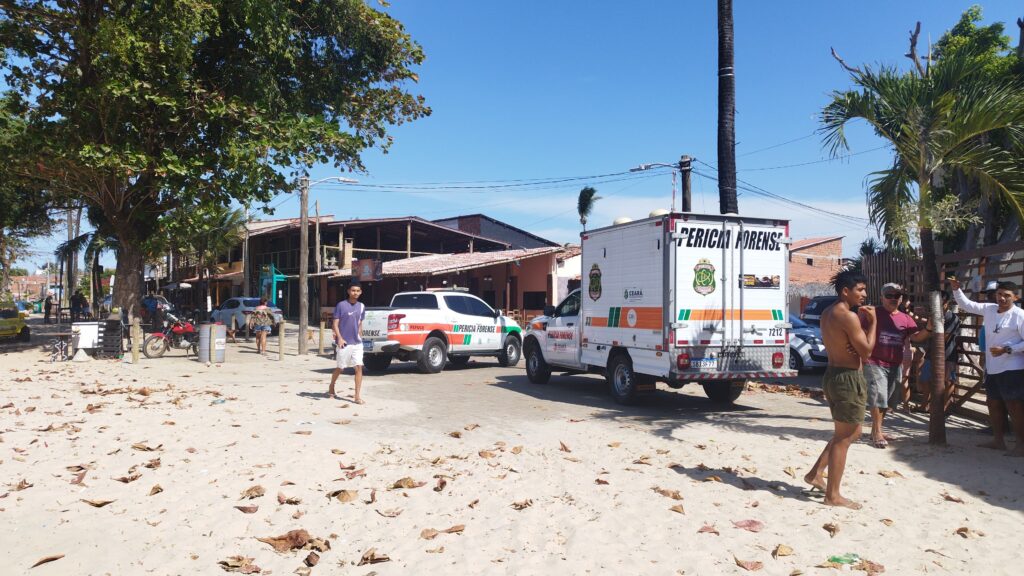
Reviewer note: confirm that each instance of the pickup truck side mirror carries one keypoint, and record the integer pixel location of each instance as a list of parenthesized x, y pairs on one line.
[(549, 310), (497, 313)]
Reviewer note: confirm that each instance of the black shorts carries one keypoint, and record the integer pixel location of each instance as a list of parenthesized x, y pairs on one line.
[(1007, 385)]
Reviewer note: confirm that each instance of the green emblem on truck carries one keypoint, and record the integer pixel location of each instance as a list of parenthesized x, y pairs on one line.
[(595, 282), (704, 277)]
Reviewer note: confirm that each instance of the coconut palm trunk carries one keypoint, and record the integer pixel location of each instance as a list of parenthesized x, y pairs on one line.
[(726, 112)]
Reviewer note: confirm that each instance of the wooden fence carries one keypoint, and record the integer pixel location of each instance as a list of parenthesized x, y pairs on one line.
[(974, 268)]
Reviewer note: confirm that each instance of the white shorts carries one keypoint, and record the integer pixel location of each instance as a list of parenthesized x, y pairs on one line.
[(350, 356)]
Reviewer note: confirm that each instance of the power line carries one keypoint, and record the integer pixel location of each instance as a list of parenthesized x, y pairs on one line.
[(773, 146), (821, 161)]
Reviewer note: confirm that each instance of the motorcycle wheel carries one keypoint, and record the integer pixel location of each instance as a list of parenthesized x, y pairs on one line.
[(155, 346)]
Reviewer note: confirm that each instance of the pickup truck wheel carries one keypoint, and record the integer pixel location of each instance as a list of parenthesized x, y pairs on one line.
[(510, 354), (537, 369), (621, 379), (724, 392), (377, 362), (432, 356), (459, 361)]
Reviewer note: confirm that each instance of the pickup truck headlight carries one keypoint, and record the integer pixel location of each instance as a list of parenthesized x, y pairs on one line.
[(810, 339)]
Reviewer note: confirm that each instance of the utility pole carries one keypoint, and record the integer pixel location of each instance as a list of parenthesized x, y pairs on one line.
[(303, 263), (685, 163), (726, 112)]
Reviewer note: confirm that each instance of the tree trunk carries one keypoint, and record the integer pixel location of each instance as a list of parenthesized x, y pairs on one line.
[(726, 112), (937, 352), (128, 277), (5, 264)]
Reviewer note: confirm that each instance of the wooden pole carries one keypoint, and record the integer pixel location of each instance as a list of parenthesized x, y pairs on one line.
[(319, 263), (320, 350), (136, 336), (303, 263), (280, 340)]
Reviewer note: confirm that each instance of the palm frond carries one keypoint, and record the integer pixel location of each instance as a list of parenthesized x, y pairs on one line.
[(998, 171), (585, 203), (889, 192), (74, 246)]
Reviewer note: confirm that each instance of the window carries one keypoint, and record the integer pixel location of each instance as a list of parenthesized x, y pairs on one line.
[(424, 301), (456, 304), (248, 303), (534, 300), (810, 261), (570, 307), (478, 307)]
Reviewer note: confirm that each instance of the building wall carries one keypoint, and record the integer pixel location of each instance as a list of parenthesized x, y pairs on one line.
[(488, 229), (827, 255), (567, 271)]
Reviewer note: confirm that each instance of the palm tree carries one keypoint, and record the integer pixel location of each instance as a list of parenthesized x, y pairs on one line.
[(585, 204), (937, 119), (216, 230), (93, 244), (726, 112)]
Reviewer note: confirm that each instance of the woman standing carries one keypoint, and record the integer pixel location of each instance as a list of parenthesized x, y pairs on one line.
[(261, 321)]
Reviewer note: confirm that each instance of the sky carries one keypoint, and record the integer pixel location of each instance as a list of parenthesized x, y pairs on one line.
[(541, 90)]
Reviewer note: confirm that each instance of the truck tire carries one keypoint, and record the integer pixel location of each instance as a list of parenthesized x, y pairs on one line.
[(510, 354), (621, 378), (724, 392), (377, 362), (433, 356), (537, 369), (459, 361)]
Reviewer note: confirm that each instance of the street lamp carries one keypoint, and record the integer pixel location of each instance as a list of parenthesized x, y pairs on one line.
[(684, 169), (304, 186)]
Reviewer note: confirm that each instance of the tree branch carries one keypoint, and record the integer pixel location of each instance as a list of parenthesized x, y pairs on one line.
[(913, 51), (843, 63)]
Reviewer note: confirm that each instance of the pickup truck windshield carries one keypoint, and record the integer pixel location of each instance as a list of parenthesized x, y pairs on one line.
[(426, 301)]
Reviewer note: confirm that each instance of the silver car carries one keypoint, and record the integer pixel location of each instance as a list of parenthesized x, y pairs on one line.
[(239, 310), (806, 348)]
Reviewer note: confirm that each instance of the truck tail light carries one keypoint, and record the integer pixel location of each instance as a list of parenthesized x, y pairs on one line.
[(393, 320), (683, 361), (777, 359)]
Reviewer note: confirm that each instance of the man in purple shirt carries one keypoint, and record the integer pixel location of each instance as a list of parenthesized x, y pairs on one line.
[(348, 323), (884, 368)]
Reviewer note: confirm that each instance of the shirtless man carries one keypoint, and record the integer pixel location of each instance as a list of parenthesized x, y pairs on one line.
[(848, 339)]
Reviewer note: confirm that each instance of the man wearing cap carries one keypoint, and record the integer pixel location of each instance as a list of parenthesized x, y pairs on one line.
[(1004, 361), (884, 368)]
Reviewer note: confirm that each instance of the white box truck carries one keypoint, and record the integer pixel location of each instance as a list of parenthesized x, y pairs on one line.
[(676, 298)]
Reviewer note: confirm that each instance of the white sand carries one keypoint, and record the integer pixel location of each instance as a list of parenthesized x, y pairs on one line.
[(210, 451)]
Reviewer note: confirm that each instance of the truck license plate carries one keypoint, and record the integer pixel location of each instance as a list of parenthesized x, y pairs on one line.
[(704, 363)]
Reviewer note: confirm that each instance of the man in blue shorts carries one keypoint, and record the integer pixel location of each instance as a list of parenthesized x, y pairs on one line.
[(347, 324)]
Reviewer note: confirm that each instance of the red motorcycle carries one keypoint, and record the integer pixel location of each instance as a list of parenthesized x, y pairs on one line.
[(179, 334)]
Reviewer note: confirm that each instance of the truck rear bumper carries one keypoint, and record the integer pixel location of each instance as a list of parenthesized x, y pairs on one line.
[(683, 377), (380, 346)]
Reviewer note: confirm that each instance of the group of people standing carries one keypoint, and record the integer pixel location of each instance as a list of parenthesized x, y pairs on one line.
[(866, 352)]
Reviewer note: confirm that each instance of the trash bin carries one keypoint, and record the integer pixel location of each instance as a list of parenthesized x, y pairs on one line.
[(219, 336), (38, 307)]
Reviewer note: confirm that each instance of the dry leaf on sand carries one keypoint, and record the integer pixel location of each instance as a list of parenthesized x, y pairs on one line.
[(287, 483), (429, 534), (645, 460), (789, 470), (469, 427), (748, 565), (749, 525), (344, 496), (97, 503), (614, 444), (22, 485), (153, 464), (312, 559), (832, 529), (77, 480), (253, 492), (517, 449), (950, 498), (156, 489), (601, 481), (373, 496), (303, 432), (486, 454), (437, 550), (441, 483), (337, 451), (782, 550), (355, 473), (890, 474), (709, 529), (673, 494), (128, 479), (522, 504), (713, 479), (390, 512), (887, 522), (47, 559), (247, 509), (240, 564), (474, 503), (371, 556), (142, 447), (563, 447), (406, 483), (455, 434), (966, 532), (282, 499), (288, 541), (678, 508)]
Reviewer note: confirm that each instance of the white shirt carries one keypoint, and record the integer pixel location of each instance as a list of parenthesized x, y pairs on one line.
[(1001, 329)]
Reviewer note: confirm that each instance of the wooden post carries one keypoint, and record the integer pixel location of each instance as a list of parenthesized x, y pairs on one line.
[(245, 264), (320, 350), (319, 261), (303, 263), (280, 340), (136, 336), (408, 240)]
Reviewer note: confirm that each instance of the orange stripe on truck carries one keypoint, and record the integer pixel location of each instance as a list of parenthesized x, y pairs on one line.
[(730, 314)]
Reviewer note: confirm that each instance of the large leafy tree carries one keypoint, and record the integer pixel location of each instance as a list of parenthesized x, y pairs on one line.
[(140, 108), (936, 116)]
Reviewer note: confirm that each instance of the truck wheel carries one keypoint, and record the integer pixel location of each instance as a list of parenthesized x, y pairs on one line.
[(724, 392), (795, 362), (621, 379), (377, 362), (509, 355), (432, 356), (24, 335), (459, 361), (537, 369)]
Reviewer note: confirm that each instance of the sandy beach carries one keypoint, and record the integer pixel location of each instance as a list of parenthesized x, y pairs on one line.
[(173, 467)]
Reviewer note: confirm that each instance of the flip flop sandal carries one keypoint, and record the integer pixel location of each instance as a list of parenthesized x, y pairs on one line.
[(880, 444)]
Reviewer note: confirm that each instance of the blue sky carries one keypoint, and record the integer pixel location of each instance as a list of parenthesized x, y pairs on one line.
[(535, 90)]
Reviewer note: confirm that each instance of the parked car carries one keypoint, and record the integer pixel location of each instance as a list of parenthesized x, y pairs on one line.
[(12, 323), (239, 309), (812, 312), (25, 308), (806, 348)]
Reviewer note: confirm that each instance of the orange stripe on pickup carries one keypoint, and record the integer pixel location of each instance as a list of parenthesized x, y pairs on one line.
[(646, 318), (730, 314), (597, 321)]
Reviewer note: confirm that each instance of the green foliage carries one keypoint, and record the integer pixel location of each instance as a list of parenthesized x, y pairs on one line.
[(988, 43), (19, 271), (585, 203)]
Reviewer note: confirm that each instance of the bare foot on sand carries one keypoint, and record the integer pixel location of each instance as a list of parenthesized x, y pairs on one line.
[(843, 502), (815, 482), (993, 445), (358, 401), (1017, 452), (332, 395)]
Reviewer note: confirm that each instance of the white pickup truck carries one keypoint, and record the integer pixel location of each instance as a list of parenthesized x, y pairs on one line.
[(434, 327)]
